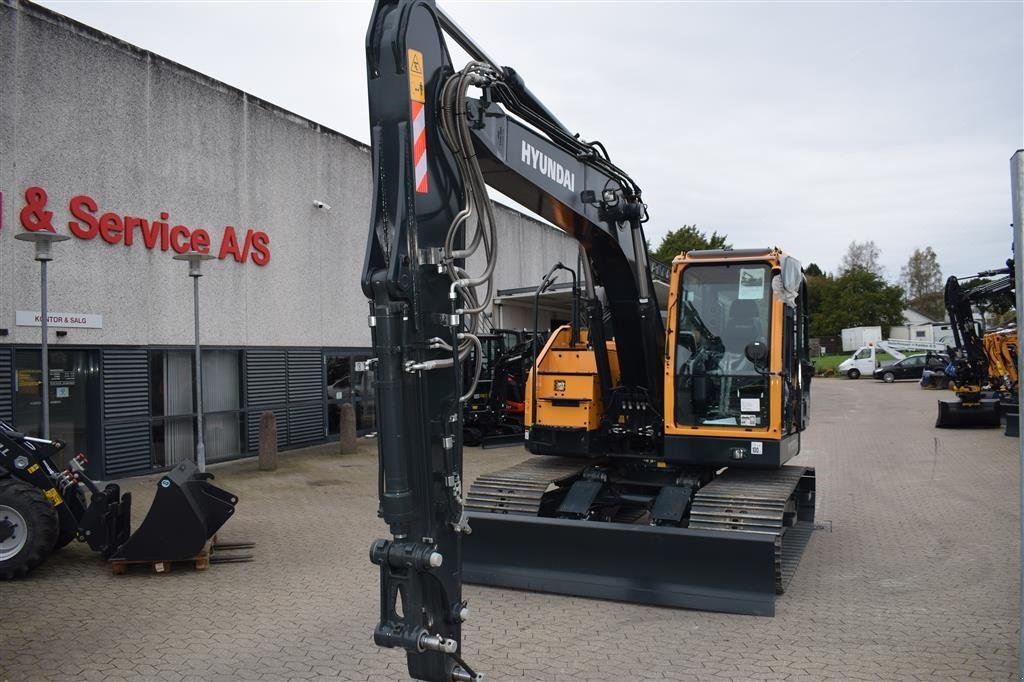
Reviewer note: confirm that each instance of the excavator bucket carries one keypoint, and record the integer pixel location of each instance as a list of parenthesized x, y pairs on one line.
[(955, 414), (660, 565), (186, 512)]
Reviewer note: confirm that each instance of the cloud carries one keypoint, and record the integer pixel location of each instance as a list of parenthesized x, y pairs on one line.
[(803, 125)]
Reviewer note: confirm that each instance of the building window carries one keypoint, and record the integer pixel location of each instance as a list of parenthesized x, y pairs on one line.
[(173, 405), (222, 402), (919, 333)]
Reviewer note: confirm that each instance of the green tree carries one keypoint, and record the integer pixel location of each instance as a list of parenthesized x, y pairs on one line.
[(688, 238), (932, 304), (812, 270), (857, 298), (862, 256), (921, 279)]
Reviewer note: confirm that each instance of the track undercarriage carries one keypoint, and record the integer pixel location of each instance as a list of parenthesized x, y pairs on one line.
[(726, 542)]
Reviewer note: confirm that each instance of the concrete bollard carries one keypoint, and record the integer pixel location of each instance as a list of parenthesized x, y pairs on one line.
[(347, 428), (268, 442)]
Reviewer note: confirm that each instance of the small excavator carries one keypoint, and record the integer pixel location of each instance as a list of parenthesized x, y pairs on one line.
[(493, 416), (43, 508), (975, 402), (661, 441)]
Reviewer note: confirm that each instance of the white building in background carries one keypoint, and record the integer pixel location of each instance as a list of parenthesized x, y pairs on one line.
[(919, 327)]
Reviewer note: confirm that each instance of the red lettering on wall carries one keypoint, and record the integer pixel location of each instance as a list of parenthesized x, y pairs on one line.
[(229, 245), (260, 248), (131, 223), (115, 228), (82, 207), (111, 228), (180, 239), (34, 217), (200, 240), (150, 234)]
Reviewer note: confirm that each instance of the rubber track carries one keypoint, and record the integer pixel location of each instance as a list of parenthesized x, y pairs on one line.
[(519, 489), (749, 501)]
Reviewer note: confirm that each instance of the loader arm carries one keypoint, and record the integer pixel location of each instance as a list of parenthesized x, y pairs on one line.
[(435, 150)]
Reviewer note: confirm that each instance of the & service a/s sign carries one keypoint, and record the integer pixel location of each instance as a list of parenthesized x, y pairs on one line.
[(113, 227)]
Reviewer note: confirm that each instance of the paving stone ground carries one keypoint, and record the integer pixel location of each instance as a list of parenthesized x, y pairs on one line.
[(917, 579)]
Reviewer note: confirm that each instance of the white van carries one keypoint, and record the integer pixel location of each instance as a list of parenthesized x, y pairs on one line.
[(865, 359), (861, 362)]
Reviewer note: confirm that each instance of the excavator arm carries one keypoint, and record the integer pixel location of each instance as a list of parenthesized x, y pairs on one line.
[(435, 150), (968, 355)]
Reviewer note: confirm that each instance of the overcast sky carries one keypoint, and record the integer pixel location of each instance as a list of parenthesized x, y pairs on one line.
[(802, 125)]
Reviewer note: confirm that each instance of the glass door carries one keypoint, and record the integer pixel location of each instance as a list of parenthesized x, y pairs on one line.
[(74, 399)]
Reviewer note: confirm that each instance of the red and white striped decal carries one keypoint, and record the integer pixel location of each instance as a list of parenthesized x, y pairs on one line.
[(417, 97), (419, 145)]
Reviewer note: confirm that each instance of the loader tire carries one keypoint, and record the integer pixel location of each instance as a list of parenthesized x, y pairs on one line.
[(28, 528)]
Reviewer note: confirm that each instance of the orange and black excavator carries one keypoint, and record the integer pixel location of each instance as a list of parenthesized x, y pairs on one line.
[(661, 440), (975, 403)]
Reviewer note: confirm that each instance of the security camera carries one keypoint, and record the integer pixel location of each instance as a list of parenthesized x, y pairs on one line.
[(321, 205)]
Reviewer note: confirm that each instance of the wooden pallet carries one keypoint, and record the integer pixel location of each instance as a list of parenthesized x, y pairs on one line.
[(200, 562)]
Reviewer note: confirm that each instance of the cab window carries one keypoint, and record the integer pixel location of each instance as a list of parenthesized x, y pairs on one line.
[(722, 345)]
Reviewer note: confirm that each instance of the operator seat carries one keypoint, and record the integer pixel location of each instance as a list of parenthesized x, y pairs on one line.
[(742, 327)]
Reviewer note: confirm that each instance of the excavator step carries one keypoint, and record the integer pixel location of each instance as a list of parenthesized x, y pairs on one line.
[(748, 530)]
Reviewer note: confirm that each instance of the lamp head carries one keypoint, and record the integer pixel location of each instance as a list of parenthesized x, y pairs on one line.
[(195, 260), (43, 239)]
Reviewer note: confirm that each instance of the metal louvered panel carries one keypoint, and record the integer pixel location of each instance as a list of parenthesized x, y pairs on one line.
[(252, 426), (305, 375), (305, 422), (265, 378), (6, 380), (125, 384), (126, 449), (126, 429)]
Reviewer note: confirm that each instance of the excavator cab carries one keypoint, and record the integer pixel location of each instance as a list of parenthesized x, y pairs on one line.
[(738, 367)]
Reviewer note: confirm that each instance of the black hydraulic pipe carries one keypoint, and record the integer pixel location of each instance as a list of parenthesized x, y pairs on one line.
[(545, 283)]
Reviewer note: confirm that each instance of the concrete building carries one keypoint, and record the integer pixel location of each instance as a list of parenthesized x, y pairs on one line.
[(137, 158)]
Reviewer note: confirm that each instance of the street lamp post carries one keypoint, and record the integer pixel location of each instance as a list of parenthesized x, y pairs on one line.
[(195, 260), (43, 241)]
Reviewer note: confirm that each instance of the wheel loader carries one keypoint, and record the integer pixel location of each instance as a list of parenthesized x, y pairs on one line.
[(661, 442), (42, 509)]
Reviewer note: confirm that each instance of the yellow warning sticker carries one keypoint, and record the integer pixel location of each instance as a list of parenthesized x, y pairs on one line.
[(32, 469), (416, 91), (54, 497)]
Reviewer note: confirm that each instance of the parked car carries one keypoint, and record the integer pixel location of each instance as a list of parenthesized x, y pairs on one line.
[(911, 367)]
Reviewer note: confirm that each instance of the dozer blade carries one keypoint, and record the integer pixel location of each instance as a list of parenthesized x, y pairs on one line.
[(954, 414), (186, 512), (660, 565)]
